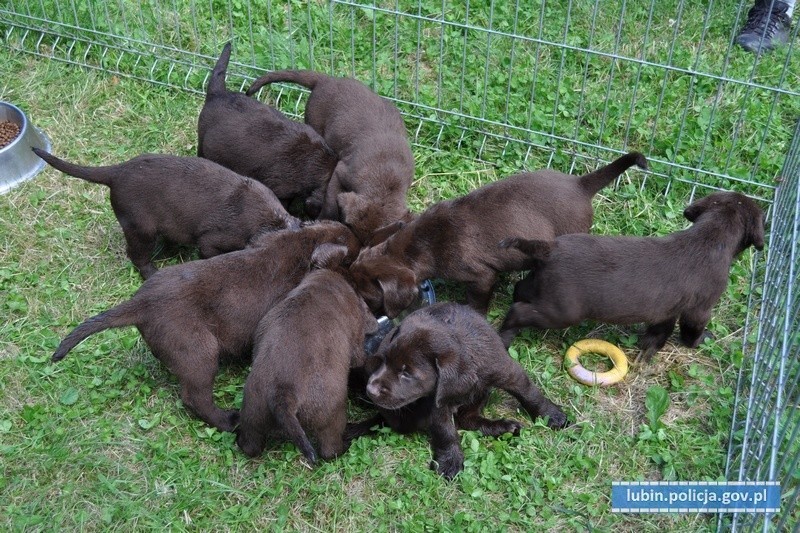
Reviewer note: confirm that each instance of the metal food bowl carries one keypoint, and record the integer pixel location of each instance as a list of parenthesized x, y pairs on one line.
[(427, 296), (17, 161)]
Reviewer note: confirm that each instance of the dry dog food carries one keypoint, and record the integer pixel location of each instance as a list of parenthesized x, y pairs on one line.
[(8, 132)]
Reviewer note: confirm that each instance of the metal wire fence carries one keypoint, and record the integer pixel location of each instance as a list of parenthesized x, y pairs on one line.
[(765, 438), (499, 81), (519, 85)]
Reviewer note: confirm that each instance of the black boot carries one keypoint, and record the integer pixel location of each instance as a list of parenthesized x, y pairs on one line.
[(765, 29)]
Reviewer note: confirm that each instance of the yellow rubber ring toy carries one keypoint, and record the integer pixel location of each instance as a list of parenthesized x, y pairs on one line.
[(587, 377)]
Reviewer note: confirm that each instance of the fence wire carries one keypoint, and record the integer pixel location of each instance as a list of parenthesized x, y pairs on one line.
[(521, 85), (502, 82), (765, 437)]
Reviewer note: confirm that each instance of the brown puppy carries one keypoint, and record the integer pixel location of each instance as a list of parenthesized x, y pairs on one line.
[(259, 141), (627, 280), (195, 314), (305, 347), (441, 362), (185, 200), (369, 185), (457, 239)]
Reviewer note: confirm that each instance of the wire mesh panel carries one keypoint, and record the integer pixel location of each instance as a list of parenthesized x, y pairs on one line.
[(521, 84), (504, 82), (765, 438)]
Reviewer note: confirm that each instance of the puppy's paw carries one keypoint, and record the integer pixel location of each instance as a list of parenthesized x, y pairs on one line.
[(512, 426), (557, 419), (705, 335), (646, 355), (311, 457), (448, 464), (507, 336), (248, 446), (147, 270), (233, 419), (226, 421), (223, 420), (495, 428)]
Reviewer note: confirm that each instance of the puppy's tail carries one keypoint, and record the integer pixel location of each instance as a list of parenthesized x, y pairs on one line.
[(306, 78), (122, 315), (594, 181), (216, 85), (100, 175)]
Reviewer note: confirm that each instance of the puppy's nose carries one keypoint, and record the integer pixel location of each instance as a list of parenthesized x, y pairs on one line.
[(374, 390)]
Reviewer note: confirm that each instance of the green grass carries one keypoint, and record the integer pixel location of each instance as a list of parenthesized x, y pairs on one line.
[(101, 440)]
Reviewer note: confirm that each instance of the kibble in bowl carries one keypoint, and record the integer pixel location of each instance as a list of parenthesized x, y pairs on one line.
[(8, 132), (17, 136)]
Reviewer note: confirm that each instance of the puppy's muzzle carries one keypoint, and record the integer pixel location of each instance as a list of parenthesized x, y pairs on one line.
[(376, 391)]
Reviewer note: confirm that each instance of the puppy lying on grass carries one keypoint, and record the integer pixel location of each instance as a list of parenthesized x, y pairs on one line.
[(441, 362), (369, 185), (185, 200), (457, 239), (196, 314), (259, 141), (304, 349), (628, 280)]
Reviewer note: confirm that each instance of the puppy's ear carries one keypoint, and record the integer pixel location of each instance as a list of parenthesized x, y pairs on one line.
[(399, 291), (328, 255), (695, 209), (755, 231), (381, 234), (372, 363), (753, 218), (457, 378)]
